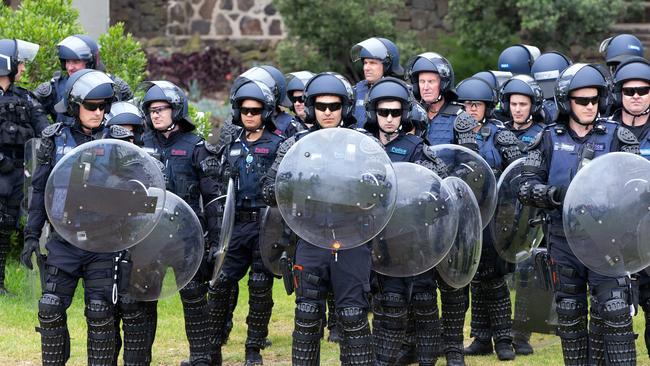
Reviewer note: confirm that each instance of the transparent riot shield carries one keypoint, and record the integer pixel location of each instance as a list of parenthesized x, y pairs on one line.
[(473, 170), (459, 265), (336, 188), (29, 167), (516, 229), (169, 257), (606, 214), (105, 195), (534, 307), (422, 228), (277, 241), (227, 225)]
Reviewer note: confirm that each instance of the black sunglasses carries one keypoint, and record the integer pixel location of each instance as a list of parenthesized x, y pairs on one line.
[(294, 99), (384, 112), (641, 90), (94, 106), (252, 111), (585, 100), (333, 107)]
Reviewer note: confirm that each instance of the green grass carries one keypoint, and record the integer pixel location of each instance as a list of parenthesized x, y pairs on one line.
[(20, 345)]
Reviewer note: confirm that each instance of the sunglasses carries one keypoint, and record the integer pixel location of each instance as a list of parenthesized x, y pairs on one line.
[(384, 112), (641, 90), (94, 106), (333, 107), (473, 104), (585, 100), (298, 99), (158, 110), (252, 111)]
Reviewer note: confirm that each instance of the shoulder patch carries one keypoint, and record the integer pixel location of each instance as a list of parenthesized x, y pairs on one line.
[(44, 90), (211, 148), (52, 130), (464, 123), (119, 132), (626, 136), (506, 138), (537, 141)]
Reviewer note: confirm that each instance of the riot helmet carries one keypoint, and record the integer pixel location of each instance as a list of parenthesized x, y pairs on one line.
[(127, 114), (79, 47), (379, 49), (432, 62), (632, 68), (418, 121), (388, 88), (296, 82), (258, 91), (12, 53), (162, 90), (618, 48), (477, 89), (518, 59), (546, 70), (328, 83), (83, 86), (578, 76), (524, 85), (269, 75), (494, 78)]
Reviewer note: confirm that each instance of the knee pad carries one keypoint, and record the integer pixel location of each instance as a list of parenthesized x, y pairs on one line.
[(260, 282), (308, 318), (612, 298), (352, 318), (425, 303), (50, 308), (391, 304), (194, 291), (572, 318), (99, 312)]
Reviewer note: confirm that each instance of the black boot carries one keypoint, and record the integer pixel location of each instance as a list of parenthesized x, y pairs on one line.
[(219, 296), (479, 347), (480, 323), (521, 342), (253, 357)]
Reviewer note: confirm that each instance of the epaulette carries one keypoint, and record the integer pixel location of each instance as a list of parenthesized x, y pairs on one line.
[(44, 90), (52, 130), (119, 132), (464, 123), (626, 136)]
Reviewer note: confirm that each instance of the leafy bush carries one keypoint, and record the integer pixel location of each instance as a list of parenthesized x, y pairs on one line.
[(212, 68), (201, 120), (123, 55)]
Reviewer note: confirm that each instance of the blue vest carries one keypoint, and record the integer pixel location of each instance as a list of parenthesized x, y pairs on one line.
[(283, 124), (441, 129), (63, 142), (528, 135), (487, 147), (644, 144), (252, 160), (550, 111), (182, 179), (403, 148), (360, 91)]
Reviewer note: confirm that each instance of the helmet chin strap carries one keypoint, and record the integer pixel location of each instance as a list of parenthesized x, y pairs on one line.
[(391, 135), (250, 131), (527, 120), (171, 127), (577, 120), (647, 110)]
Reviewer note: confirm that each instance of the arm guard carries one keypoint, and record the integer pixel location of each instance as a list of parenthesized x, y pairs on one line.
[(508, 145), (627, 141), (268, 185), (464, 126), (433, 162)]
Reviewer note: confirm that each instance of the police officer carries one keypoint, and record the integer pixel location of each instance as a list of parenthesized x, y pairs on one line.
[(618, 48), (295, 90), (21, 118), (380, 58), (247, 160), (632, 97), (329, 101), (545, 71), (518, 59), (191, 174), (553, 160), (491, 307), (523, 100), (88, 97), (75, 52), (390, 102)]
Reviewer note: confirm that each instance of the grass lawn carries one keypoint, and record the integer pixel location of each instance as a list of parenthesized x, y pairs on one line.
[(20, 345)]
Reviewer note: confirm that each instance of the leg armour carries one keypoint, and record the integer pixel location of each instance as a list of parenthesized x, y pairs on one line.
[(332, 326), (55, 339), (646, 334), (260, 302), (499, 309), (480, 324), (454, 305), (218, 307), (151, 309), (101, 332), (356, 346), (305, 348), (427, 326), (572, 329), (137, 351), (408, 353), (4, 249), (232, 304), (389, 326), (197, 326), (596, 340), (618, 335)]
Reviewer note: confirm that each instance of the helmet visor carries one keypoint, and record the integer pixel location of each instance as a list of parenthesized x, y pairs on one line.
[(370, 48), (26, 51)]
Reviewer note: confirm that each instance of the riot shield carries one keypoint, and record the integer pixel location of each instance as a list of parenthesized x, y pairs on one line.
[(227, 225), (473, 170), (534, 299), (169, 257), (277, 241), (336, 188), (517, 229), (29, 168), (606, 214), (422, 228), (105, 195), (459, 265)]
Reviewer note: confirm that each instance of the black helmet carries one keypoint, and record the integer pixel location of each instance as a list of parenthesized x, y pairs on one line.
[(380, 49), (163, 90), (85, 85), (477, 89), (432, 62), (328, 83), (296, 82), (386, 88), (579, 76), (79, 47), (260, 92), (269, 75), (525, 85), (126, 113), (494, 78), (618, 48), (518, 59), (546, 70), (13, 52), (419, 119), (632, 68)]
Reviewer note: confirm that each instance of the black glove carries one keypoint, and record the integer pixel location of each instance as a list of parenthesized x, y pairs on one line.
[(6, 164), (556, 195), (30, 246)]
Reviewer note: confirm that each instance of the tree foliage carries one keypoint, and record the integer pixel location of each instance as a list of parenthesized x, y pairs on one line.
[(123, 55)]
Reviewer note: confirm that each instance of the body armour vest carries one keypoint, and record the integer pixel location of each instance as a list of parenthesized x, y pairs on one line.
[(15, 118), (486, 145), (360, 91), (528, 135), (441, 128), (284, 124), (403, 148), (644, 144), (250, 161), (181, 177)]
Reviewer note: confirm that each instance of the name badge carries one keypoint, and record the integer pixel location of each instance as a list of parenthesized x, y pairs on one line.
[(598, 147), (262, 150), (176, 152), (397, 150), (560, 146)]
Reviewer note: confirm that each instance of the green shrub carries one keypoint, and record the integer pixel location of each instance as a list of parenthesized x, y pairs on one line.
[(123, 55)]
